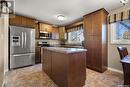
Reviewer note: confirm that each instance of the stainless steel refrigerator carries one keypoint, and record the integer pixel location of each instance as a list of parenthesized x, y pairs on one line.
[(22, 47)]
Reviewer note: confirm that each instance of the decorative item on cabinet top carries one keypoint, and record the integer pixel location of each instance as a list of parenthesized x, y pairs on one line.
[(119, 16)]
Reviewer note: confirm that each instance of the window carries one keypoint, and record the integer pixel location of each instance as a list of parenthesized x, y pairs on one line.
[(76, 36), (120, 32)]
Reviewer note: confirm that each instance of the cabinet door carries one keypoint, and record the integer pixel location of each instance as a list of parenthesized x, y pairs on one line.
[(24, 23), (45, 27), (47, 61), (38, 55), (88, 25), (37, 31), (41, 27), (55, 30), (96, 23), (92, 24), (30, 22), (94, 57), (16, 20), (59, 68), (48, 27)]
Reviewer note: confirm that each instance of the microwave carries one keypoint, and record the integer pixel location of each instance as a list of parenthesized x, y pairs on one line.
[(45, 35)]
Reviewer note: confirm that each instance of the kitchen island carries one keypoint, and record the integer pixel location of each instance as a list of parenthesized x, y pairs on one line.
[(65, 66)]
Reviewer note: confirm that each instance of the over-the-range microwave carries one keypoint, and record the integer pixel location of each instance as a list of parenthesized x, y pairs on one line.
[(45, 35)]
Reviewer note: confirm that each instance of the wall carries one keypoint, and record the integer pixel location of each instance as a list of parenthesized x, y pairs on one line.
[(6, 49), (3, 45), (113, 55)]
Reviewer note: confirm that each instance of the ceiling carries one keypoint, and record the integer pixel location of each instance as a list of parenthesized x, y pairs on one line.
[(47, 10)]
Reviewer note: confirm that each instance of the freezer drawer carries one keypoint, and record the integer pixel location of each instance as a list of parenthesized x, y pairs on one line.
[(20, 60)]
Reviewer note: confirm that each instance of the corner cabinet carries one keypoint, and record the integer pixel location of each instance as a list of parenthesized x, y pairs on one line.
[(95, 32)]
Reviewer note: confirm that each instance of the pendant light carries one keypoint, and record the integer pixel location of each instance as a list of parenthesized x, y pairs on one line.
[(4, 7)]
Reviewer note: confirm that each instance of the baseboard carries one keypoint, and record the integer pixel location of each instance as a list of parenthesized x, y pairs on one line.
[(115, 70), (3, 84), (6, 70)]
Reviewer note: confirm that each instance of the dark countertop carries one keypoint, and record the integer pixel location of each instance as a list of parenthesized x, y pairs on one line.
[(64, 50), (65, 46)]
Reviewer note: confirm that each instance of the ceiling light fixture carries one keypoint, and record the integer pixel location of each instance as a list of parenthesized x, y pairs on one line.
[(61, 17), (124, 2)]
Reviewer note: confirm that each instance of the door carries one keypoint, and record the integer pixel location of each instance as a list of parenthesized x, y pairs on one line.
[(22, 40), (93, 47), (17, 40), (20, 60), (29, 43)]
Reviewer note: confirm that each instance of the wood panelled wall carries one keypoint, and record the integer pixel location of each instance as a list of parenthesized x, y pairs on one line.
[(95, 32)]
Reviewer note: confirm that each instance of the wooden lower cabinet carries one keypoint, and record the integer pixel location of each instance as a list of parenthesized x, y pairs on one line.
[(37, 31), (66, 70), (38, 55), (46, 61), (94, 51)]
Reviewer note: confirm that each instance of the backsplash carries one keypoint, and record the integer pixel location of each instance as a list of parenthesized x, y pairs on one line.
[(51, 42)]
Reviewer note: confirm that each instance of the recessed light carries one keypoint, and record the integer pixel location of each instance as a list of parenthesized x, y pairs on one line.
[(61, 17), (124, 1)]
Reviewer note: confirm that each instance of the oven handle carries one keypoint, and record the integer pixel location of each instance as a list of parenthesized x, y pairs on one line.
[(22, 40)]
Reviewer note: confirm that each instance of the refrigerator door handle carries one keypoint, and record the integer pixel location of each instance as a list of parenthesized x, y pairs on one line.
[(25, 43), (22, 40), (21, 55)]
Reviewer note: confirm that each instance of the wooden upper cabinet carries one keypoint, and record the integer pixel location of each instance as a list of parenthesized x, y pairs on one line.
[(55, 30), (37, 30), (92, 23), (88, 25), (96, 23), (22, 21), (28, 22), (16, 20), (47, 28)]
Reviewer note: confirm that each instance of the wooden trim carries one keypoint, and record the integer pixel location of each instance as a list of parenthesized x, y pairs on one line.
[(67, 28), (76, 23), (23, 16), (97, 11)]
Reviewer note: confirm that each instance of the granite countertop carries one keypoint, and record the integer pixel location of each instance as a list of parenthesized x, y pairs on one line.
[(64, 50)]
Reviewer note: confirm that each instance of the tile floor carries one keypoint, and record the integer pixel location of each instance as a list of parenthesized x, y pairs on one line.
[(34, 77)]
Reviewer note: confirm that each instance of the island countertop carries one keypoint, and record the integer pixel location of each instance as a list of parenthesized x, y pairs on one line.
[(64, 50)]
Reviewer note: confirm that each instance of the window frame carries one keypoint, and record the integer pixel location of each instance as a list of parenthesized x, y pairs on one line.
[(114, 40), (74, 42)]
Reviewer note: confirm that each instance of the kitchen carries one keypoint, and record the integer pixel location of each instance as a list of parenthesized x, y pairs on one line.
[(65, 51)]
